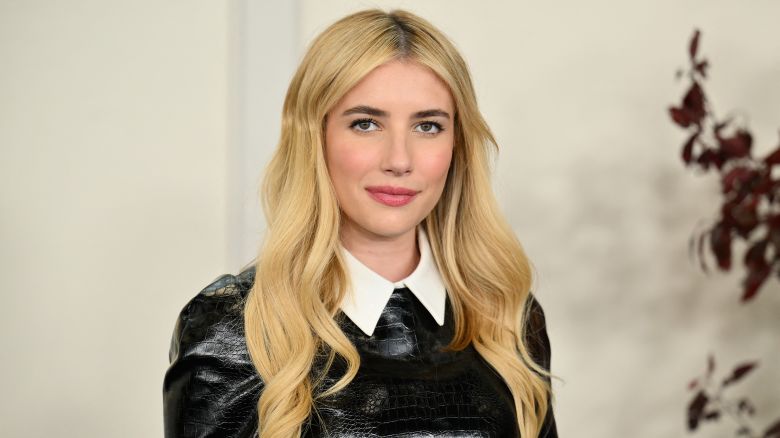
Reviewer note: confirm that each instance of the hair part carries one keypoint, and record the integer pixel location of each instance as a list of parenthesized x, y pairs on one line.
[(301, 275)]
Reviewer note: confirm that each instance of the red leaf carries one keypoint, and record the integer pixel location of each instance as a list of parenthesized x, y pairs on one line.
[(773, 431), (720, 243), (701, 67), (735, 178), (756, 277), (737, 146), (773, 158), (763, 183), (774, 232), (692, 109), (741, 214), (693, 103), (709, 157), (756, 254), (680, 116), (695, 409), (687, 152), (739, 372), (694, 44)]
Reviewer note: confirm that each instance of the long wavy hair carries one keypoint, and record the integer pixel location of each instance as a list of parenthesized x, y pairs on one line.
[(301, 274)]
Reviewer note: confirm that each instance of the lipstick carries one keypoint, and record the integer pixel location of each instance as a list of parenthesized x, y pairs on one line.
[(392, 196)]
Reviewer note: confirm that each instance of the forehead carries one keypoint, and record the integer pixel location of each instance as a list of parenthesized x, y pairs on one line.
[(400, 84)]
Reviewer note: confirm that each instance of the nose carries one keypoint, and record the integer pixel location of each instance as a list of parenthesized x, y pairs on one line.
[(397, 158)]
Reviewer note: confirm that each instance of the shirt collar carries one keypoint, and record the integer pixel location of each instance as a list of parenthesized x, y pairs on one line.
[(366, 301)]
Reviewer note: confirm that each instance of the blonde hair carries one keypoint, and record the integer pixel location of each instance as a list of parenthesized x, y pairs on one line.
[(301, 274)]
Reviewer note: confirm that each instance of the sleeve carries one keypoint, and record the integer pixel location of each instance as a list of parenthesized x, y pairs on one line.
[(211, 388), (539, 344)]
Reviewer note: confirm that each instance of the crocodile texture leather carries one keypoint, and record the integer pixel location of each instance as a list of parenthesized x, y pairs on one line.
[(405, 387)]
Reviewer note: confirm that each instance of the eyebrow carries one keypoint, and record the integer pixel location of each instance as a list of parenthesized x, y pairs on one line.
[(376, 112)]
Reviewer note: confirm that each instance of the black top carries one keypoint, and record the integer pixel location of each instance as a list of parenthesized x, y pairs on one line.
[(405, 386)]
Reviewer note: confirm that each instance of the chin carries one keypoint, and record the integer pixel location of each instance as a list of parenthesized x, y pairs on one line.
[(391, 228)]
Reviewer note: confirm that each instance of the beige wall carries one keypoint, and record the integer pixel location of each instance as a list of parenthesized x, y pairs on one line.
[(133, 134), (113, 128)]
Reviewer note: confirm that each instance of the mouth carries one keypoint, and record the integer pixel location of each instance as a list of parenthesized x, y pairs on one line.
[(392, 190), (392, 196)]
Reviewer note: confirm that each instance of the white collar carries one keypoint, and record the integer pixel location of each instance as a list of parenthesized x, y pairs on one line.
[(371, 291)]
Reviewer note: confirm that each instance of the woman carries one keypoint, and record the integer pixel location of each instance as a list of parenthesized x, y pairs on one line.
[(390, 297)]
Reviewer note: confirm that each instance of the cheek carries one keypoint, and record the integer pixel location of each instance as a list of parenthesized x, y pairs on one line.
[(346, 164), (437, 165)]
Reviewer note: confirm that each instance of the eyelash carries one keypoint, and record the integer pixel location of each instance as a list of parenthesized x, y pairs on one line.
[(425, 122)]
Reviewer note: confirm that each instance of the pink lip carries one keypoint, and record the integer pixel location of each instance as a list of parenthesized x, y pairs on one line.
[(392, 190), (392, 196)]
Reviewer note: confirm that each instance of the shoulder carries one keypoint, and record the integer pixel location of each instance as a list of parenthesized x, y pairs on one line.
[(211, 387), (536, 319), (536, 335), (222, 292), (213, 318), (538, 343), (221, 299)]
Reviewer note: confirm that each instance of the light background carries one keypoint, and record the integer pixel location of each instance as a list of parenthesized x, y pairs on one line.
[(133, 137)]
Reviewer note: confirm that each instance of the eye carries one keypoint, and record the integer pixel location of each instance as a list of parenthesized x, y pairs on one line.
[(362, 125), (430, 128)]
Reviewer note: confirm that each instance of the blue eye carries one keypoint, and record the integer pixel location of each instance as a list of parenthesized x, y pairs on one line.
[(363, 125), (433, 128), (427, 127)]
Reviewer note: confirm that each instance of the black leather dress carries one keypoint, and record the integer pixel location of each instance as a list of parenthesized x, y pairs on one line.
[(405, 386)]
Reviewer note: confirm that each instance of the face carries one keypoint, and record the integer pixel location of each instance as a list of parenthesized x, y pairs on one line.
[(392, 132)]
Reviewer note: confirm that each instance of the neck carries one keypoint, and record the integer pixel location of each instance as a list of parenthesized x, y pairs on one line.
[(392, 257)]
